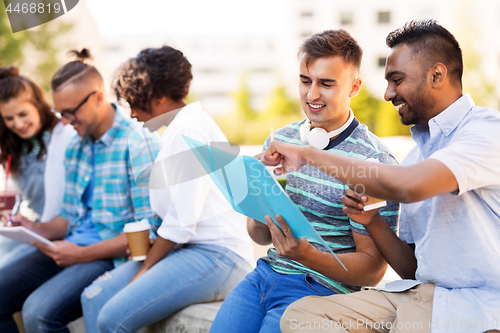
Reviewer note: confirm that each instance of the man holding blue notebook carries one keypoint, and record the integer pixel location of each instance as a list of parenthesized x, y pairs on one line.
[(295, 268)]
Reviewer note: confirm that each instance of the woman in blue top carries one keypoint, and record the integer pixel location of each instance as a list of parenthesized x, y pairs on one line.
[(36, 141)]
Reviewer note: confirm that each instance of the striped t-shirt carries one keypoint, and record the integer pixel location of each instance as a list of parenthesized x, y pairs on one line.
[(318, 195)]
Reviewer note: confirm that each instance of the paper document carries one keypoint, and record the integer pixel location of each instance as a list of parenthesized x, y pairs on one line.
[(23, 235), (252, 190)]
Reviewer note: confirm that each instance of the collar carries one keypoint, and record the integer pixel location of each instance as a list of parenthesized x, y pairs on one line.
[(185, 112), (191, 107), (449, 118), (339, 131), (347, 132)]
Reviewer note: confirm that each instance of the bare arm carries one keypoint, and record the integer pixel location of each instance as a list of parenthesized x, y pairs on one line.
[(365, 267), (259, 232), (160, 249), (395, 183), (54, 229), (67, 253), (397, 253), (106, 249)]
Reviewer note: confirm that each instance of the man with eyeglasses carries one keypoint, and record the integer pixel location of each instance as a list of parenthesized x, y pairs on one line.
[(69, 116), (101, 195)]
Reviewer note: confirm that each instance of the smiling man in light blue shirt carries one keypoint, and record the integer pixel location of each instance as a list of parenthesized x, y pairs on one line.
[(448, 249)]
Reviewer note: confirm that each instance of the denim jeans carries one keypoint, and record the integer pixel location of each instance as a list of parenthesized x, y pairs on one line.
[(10, 250), (192, 273), (48, 295), (257, 303)]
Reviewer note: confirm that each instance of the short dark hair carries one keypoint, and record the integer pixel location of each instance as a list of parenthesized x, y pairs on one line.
[(433, 43), (154, 73), (74, 71), (332, 43)]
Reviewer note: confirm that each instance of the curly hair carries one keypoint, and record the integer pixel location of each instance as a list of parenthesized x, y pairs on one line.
[(432, 43), (12, 85), (154, 73)]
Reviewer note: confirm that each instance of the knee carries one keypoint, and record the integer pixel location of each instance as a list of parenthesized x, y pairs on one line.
[(107, 321), (98, 317), (104, 322), (35, 318), (88, 298)]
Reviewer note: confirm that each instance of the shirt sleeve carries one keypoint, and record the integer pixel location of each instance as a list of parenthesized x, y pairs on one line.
[(55, 171), (266, 144), (404, 228), (143, 151), (67, 197), (472, 157), (188, 187)]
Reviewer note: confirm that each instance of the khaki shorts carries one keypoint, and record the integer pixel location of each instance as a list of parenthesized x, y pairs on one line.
[(364, 311)]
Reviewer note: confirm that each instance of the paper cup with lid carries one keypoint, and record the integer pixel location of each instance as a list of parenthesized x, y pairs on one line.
[(138, 239)]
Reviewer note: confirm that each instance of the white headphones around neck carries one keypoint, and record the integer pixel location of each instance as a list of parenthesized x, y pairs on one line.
[(319, 137)]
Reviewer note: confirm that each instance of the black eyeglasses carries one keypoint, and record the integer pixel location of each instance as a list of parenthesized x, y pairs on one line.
[(70, 115)]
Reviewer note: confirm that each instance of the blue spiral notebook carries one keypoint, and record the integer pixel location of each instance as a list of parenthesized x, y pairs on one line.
[(251, 189)]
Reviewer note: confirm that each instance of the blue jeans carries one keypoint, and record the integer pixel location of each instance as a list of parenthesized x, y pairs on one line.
[(193, 273), (48, 295), (10, 250), (257, 303)]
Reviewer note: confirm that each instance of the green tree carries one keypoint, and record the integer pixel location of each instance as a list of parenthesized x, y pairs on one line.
[(243, 97), (281, 105), (365, 107), (244, 125), (41, 41), (380, 116), (388, 121), (11, 45)]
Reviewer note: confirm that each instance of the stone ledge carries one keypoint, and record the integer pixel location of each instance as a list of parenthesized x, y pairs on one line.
[(196, 318)]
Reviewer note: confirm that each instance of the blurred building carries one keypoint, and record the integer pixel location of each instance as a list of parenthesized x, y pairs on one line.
[(221, 62), (474, 23)]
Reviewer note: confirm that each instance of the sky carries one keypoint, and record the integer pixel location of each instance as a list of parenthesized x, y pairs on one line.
[(120, 17)]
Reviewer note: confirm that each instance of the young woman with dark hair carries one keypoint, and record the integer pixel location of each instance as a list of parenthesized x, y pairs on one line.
[(35, 139)]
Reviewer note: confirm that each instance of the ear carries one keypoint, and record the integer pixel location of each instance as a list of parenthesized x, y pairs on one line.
[(159, 101), (356, 86), (99, 97), (438, 74)]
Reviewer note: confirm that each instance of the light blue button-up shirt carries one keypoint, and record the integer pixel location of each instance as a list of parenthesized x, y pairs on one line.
[(457, 235)]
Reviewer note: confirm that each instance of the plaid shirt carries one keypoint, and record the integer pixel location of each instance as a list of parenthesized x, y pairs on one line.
[(120, 156)]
